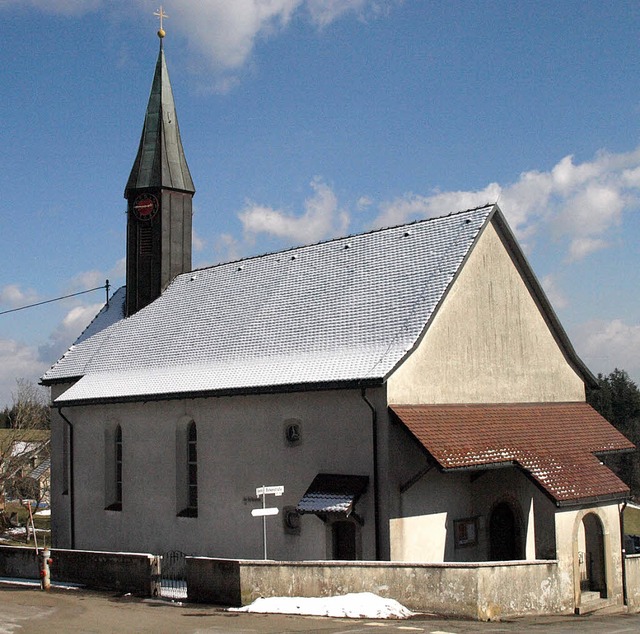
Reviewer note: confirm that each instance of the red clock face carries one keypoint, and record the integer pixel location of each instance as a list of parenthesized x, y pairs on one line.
[(145, 206)]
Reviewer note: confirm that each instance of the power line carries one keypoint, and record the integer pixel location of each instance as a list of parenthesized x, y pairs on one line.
[(57, 299)]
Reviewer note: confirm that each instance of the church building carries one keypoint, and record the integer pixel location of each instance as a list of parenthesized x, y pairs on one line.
[(410, 391)]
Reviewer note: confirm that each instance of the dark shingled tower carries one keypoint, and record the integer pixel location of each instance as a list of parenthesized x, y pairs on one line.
[(159, 193)]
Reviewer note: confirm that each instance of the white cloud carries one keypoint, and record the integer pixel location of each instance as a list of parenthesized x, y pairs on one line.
[(553, 292), (68, 330), (226, 248), (606, 345), (197, 242), (579, 204), (582, 247), (224, 32), (324, 12), (322, 218), (364, 202), (58, 7), (12, 296), (94, 278), (17, 361), (416, 206)]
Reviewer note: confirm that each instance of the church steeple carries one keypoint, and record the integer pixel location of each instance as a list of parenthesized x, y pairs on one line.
[(159, 194)]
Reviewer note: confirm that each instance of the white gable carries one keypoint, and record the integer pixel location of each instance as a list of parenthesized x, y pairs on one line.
[(491, 341)]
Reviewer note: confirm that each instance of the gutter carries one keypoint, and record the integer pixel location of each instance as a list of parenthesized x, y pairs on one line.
[(625, 598), (376, 479), (216, 393), (72, 511)]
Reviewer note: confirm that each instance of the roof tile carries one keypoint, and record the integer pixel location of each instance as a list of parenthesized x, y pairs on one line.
[(315, 314), (554, 442)]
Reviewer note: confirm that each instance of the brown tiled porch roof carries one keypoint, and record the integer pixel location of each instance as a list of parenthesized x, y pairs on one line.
[(554, 443)]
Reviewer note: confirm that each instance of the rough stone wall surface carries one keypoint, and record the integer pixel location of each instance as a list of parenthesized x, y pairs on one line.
[(124, 572), (479, 591), (632, 574)]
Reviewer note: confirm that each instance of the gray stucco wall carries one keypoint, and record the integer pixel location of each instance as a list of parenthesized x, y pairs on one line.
[(424, 530), (241, 445)]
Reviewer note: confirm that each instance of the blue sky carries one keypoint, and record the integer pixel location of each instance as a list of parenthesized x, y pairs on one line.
[(307, 119)]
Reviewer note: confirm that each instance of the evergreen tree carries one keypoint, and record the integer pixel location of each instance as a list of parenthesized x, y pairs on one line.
[(618, 400)]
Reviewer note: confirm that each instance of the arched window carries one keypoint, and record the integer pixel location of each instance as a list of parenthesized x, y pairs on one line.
[(192, 467), (186, 468), (113, 467), (118, 465)]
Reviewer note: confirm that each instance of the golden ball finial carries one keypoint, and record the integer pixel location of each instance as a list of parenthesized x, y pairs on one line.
[(160, 14)]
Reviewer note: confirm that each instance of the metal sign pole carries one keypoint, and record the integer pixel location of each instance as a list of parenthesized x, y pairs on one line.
[(264, 511), (264, 521)]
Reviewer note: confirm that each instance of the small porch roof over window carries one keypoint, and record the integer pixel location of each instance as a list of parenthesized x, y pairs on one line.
[(333, 494), (556, 444)]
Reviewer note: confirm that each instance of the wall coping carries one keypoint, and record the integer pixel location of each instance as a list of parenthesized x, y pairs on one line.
[(77, 550), (100, 552), (382, 564)]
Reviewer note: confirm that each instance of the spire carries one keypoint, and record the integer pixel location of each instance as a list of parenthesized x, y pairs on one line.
[(160, 162), (159, 196)]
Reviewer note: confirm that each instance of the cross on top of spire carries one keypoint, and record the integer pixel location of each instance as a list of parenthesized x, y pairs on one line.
[(160, 14)]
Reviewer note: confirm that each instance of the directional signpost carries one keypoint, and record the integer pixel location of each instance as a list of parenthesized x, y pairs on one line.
[(264, 511)]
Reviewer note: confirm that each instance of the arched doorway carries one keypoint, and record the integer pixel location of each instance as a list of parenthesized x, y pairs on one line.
[(343, 534), (505, 534), (593, 576)]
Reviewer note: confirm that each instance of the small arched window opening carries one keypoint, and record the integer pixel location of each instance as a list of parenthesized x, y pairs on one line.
[(192, 467), (113, 468), (118, 470)]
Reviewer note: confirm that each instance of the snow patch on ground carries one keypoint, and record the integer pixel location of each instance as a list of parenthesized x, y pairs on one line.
[(18, 533), (361, 605)]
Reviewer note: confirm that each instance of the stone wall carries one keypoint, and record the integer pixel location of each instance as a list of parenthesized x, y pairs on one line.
[(122, 572), (19, 562), (632, 574), (479, 591)]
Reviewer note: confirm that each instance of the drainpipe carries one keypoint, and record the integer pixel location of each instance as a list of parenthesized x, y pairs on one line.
[(376, 493), (72, 527), (624, 555)]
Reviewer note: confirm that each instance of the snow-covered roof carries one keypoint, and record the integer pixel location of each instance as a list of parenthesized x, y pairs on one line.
[(342, 311), (41, 469), (332, 493)]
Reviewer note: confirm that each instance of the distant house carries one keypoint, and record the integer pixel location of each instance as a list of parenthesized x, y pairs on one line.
[(410, 388), (23, 451), (41, 478)]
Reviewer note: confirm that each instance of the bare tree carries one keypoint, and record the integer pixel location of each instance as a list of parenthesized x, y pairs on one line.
[(24, 444), (30, 406)]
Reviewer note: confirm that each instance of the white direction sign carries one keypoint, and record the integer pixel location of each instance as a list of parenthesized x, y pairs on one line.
[(263, 512), (277, 490)]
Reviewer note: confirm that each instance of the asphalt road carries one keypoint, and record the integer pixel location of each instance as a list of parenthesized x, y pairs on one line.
[(28, 611)]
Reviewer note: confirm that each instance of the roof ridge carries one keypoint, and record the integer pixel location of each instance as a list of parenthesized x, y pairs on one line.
[(339, 238)]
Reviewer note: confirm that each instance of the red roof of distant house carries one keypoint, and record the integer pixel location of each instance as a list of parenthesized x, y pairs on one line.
[(555, 443)]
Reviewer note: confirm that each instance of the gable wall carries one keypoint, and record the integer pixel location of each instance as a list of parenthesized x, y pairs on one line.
[(488, 343)]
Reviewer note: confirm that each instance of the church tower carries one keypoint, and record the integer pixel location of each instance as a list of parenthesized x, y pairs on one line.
[(159, 195)]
